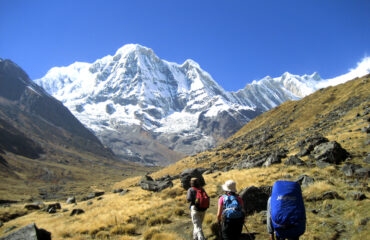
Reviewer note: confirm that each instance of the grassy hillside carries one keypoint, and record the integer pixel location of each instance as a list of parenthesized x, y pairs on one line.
[(338, 113)]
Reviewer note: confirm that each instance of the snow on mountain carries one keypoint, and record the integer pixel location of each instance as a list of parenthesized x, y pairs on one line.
[(136, 102)]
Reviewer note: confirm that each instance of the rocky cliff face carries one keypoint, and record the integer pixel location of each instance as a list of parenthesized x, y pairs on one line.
[(23, 105)]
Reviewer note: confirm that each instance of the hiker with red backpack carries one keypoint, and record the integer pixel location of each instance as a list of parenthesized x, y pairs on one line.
[(199, 203), (230, 213), (286, 216)]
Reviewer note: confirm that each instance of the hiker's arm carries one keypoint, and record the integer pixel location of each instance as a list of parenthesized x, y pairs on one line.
[(219, 210), (190, 196), (270, 228)]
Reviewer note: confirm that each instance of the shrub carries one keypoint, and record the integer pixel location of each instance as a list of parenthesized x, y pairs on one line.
[(123, 229), (179, 211), (160, 219), (150, 232)]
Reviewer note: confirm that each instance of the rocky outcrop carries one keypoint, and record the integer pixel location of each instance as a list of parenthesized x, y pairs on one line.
[(308, 145), (147, 183), (29, 232), (330, 152)]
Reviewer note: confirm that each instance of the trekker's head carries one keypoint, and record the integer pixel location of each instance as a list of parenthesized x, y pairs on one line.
[(229, 186), (194, 182)]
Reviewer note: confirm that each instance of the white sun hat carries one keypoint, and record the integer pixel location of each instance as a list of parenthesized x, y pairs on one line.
[(229, 186)]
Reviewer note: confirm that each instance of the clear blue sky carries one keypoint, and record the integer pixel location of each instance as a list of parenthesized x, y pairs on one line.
[(236, 41)]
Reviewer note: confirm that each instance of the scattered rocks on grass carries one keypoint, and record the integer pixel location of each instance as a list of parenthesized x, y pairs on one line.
[(52, 208), (349, 169), (92, 195), (308, 145), (32, 207), (124, 192)]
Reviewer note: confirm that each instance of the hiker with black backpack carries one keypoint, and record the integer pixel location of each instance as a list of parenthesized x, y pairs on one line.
[(199, 203), (230, 213), (286, 215)]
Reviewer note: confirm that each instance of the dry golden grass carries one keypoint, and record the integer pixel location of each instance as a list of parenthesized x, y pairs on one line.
[(167, 236)]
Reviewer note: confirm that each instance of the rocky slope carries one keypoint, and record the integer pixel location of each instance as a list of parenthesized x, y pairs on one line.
[(137, 103), (41, 142)]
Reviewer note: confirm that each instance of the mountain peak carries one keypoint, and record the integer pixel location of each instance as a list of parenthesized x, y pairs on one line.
[(137, 48), (190, 62)]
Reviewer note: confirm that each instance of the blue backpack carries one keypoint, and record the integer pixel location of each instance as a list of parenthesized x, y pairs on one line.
[(288, 213), (232, 208)]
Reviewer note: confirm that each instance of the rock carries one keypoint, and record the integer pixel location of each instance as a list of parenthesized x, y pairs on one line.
[(52, 208), (322, 164), (29, 232), (364, 221), (32, 207), (250, 162), (357, 196), (272, 159), (255, 198), (330, 195), (77, 211), (71, 200), (117, 190), (89, 203), (92, 195), (147, 183), (294, 161), (308, 145), (367, 159), (10, 229), (187, 174), (330, 152), (305, 180), (349, 169), (124, 192), (362, 172)]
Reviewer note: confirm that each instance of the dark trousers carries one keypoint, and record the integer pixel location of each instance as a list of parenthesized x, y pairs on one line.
[(232, 229)]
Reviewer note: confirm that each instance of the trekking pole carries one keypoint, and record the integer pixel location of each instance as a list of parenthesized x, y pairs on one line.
[(249, 234)]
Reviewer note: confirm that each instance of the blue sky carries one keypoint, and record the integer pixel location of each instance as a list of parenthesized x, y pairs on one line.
[(235, 41)]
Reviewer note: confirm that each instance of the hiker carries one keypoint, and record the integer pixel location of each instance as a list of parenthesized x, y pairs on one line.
[(199, 202), (230, 213), (286, 217)]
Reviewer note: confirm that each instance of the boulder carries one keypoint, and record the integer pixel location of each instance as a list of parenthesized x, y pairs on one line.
[(29, 232), (250, 162), (71, 200), (77, 211), (124, 192), (294, 161), (330, 152), (117, 190), (357, 196), (187, 174), (147, 183), (52, 208), (308, 145), (305, 180), (255, 198), (330, 195)]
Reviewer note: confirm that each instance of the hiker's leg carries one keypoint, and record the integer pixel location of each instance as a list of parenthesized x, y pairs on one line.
[(197, 218)]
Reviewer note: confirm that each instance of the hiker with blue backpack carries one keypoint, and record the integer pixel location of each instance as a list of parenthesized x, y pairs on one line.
[(230, 213), (286, 215), (199, 203)]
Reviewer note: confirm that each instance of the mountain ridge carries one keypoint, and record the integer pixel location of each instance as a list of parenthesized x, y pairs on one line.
[(180, 105)]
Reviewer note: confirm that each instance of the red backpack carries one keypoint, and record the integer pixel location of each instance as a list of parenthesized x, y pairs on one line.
[(201, 199)]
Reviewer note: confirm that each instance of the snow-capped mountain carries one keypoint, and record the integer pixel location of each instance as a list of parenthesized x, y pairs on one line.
[(153, 111)]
